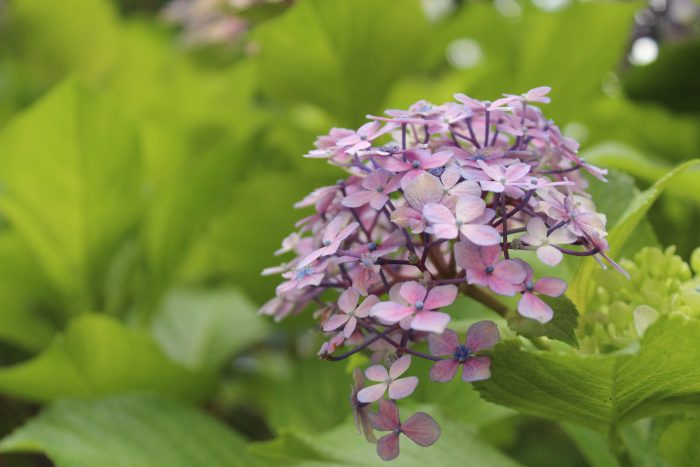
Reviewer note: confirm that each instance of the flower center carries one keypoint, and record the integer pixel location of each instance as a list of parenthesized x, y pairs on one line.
[(489, 269), (420, 305), (462, 353), (326, 242), (303, 272), (371, 246), (415, 164), (503, 180), (459, 223), (379, 189), (363, 137), (529, 286)]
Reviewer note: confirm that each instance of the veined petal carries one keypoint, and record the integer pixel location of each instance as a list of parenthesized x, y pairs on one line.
[(348, 299), (476, 369), (421, 428), (388, 447), (387, 418), (482, 335), (391, 312), (376, 373), (335, 321), (363, 310), (469, 208), (443, 231), (357, 199), (412, 292), (438, 214), (444, 370), (443, 344), (510, 271), (421, 190), (403, 387), (482, 235), (549, 255), (537, 228)]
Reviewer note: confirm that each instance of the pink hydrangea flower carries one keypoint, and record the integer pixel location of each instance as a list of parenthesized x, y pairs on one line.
[(415, 160), (350, 311), (363, 137), (468, 220), (544, 243), (333, 236), (413, 306), (420, 428), (398, 387), (377, 186), (533, 307), (484, 268), (480, 336), (510, 179)]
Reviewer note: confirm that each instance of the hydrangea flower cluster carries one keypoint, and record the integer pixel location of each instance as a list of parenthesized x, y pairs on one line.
[(436, 202)]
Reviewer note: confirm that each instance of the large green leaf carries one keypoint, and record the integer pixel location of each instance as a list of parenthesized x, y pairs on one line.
[(99, 356), (599, 391), (70, 168), (583, 284), (341, 55), (202, 328), (459, 444), (129, 431), (678, 443)]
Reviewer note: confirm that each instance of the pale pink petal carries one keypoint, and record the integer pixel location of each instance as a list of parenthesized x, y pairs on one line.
[(430, 321), (495, 187), (435, 160), (363, 310), (468, 208), (562, 237), (348, 299), (537, 228), (500, 286), (477, 277), (510, 271), (450, 176), (358, 199), (537, 92), (494, 171), (447, 231), (550, 286), (333, 228), (443, 344), (516, 171), (335, 321), (438, 214), (549, 255), (377, 373), (378, 201), (440, 296), (391, 312), (466, 188), (376, 179), (399, 367), (350, 327), (395, 294), (371, 393), (403, 387), (421, 428), (467, 255), (444, 370), (482, 235), (482, 335), (489, 254), (531, 306), (412, 292), (421, 190), (388, 447), (393, 164), (476, 369), (387, 417)]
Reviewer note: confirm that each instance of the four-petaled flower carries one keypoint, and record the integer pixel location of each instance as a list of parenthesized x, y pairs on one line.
[(469, 218), (413, 306), (537, 237), (398, 387), (484, 268), (362, 138), (377, 186), (331, 240), (350, 311), (510, 179), (533, 307), (481, 335), (420, 428)]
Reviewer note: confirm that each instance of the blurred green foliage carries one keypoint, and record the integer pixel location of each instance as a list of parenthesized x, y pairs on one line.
[(143, 188)]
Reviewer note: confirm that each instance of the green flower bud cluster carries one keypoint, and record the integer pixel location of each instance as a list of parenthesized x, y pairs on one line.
[(660, 283)]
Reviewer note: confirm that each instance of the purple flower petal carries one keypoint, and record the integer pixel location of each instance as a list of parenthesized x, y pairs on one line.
[(476, 369), (482, 335), (421, 428), (399, 367), (483, 235), (444, 370), (372, 393), (387, 418), (430, 321), (348, 300), (440, 296), (549, 255), (412, 292), (443, 344), (388, 447), (376, 373), (335, 321), (550, 286), (391, 312)]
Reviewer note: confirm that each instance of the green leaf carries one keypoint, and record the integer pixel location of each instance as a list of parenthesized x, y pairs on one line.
[(353, 52), (583, 284), (593, 445), (131, 430), (202, 328), (70, 167), (98, 356), (562, 327), (459, 444), (678, 443), (602, 391)]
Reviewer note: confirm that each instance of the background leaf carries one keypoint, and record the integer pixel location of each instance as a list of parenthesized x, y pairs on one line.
[(129, 430)]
